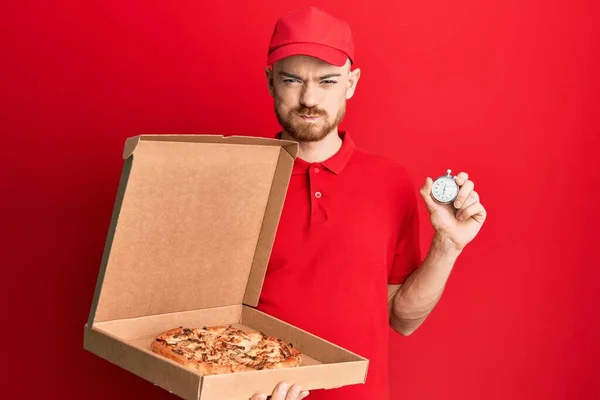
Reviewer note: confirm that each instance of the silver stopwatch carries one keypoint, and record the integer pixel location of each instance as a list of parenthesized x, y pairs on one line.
[(445, 189)]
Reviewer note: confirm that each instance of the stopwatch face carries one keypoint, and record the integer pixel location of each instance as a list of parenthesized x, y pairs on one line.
[(444, 190)]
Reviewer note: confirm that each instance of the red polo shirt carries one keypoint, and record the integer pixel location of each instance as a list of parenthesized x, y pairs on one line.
[(349, 227)]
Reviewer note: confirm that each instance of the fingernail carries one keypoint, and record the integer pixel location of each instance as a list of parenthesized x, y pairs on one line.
[(458, 204), (304, 394)]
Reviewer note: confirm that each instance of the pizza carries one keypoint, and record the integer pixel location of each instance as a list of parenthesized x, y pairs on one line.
[(225, 349)]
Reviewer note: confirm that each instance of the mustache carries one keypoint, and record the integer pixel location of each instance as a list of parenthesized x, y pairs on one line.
[(309, 112)]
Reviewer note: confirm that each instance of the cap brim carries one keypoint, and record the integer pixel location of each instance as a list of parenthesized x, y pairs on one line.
[(325, 53)]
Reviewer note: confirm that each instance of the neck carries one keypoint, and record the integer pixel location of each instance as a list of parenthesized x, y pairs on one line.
[(314, 152)]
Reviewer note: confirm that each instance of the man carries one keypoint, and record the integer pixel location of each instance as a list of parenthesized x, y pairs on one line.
[(346, 261)]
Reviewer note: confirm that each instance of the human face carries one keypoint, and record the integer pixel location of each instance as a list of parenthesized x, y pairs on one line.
[(310, 95)]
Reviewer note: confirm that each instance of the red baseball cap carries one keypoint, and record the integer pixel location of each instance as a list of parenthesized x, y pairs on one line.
[(311, 32)]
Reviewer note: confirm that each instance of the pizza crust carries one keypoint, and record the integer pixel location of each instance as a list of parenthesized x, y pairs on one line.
[(165, 351)]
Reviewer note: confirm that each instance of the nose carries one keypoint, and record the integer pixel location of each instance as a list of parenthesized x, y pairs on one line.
[(309, 96)]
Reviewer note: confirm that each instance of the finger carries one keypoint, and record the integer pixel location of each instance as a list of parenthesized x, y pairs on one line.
[(426, 195), (293, 393), (475, 211), (461, 178), (463, 193), (259, 397), (280, 391), (473, 198), (304, 394)]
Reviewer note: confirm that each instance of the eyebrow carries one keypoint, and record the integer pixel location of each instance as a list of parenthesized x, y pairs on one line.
[(283, 73)]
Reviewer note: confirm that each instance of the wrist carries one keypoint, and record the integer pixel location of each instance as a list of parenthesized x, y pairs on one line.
[(444, 244)]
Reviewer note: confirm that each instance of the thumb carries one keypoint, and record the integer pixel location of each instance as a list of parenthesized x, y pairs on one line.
[(426, 195)]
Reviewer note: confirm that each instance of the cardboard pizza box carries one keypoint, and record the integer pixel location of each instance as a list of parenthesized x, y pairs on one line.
[(190, 237)]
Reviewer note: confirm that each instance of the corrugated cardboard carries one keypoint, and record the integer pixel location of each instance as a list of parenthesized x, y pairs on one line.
[(189, 242)]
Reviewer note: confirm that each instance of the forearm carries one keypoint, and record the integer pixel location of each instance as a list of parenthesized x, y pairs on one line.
[(423, 288)]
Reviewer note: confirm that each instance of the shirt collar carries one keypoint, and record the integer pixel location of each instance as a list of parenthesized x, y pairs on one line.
[(335, 163)]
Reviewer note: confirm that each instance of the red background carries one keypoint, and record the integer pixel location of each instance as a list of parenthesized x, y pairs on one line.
[(507, 91)]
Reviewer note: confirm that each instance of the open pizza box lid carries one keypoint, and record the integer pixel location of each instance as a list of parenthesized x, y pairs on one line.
[(189, 241)]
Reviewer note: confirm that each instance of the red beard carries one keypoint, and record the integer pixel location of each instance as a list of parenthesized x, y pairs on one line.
[(306, 131)]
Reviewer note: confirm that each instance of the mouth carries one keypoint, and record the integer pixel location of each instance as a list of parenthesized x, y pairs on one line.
[(309, 118)]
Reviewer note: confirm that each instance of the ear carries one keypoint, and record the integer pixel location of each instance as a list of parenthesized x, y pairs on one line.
[(353, 77), (269, 75)]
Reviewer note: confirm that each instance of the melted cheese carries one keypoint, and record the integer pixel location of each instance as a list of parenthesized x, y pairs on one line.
[(172, 340), (267, 352), (246, 349)]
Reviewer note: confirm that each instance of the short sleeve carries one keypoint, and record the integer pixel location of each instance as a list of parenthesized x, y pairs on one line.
[(407, 256)]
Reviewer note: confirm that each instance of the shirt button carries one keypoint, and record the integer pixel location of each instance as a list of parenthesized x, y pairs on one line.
[(316, 170), (318, 195)]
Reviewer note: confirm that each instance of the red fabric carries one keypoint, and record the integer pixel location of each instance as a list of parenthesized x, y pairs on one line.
[(311, 31), (335, 253)]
